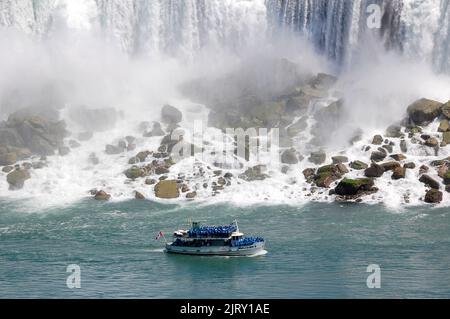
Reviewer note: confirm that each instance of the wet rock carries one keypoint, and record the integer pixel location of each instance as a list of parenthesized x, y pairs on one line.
[(134, 172), (156, 130), (342, 168), (398, 157), (433, 196), (374, 170), (8, 159), (228, 175), (358, 165), (354, 187), (446, 110), (16, 179), (390, 166), (326, 175), (309, 173), (142, 156), (447, 188), (377, 140), (399, 173), (184, 188), (131, 147), (191, 195), (102, 196), (378, 156), (423, 169), (7, 169), (138, 195), (394, 131), (429, 181), (63, 150), (446, 138), (113, 150), (289, 157), (388, 148), (403, 146), (150, 181), (297, 127), (424, 111), (339, 159), (85, 136), (160, 170), (444, 126), (432, 142), (171, 114), (447, 178), (318, 157), (323, 81), (38, 165), (167, 189), (27, 165), (256, 173), (410, 165)]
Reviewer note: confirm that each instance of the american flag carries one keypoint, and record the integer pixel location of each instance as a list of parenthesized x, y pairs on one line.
[(160, 234)]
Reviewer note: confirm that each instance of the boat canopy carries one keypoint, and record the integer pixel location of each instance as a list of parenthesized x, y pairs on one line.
[(212, 231)]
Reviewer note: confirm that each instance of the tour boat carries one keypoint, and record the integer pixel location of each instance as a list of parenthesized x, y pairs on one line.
[(214, 241)]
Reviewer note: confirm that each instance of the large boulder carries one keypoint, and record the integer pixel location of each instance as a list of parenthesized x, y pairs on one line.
[(429, 181), (318, 157), (354, 187), (446, 110), (134, 172), (378, 156), (433, 196), (289, 157), (390, 166), (102, 196), (326, 175), (377, 140), (399, 173), (424, 111), (39, 135), (167, 189), (7, 159), (446, 138), (17, 178), (256, 173), (171, 115), (444, 126), (374, 170)]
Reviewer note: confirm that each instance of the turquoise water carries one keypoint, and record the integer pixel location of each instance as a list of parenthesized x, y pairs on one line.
[(318, 250)]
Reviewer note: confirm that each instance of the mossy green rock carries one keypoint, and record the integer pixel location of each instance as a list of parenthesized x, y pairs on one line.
[(134, 172), (351, 187), (358, 165)]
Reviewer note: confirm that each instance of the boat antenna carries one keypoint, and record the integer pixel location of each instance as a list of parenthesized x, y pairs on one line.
[(237, 226)]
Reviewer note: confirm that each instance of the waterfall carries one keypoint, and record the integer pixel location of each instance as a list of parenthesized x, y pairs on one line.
[(337, 28)]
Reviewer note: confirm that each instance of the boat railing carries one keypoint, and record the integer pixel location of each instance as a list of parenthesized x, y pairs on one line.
[(247, 241)]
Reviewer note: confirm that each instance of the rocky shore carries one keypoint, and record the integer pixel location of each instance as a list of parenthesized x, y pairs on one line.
[(305, 108)]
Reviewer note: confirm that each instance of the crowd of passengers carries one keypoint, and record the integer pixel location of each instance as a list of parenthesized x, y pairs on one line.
[(212, 231)]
